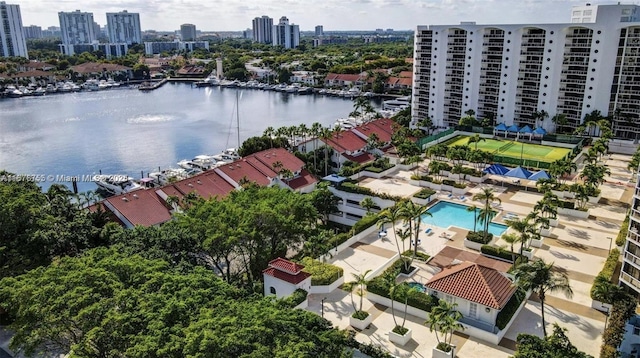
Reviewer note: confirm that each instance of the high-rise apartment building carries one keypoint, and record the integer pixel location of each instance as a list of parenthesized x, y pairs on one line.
[(630, 275), (263, 30), (12, 42), (319, 30), (124, 27), (33, 32), (285, 34), (188, 32), (77, 27), (508, 72)]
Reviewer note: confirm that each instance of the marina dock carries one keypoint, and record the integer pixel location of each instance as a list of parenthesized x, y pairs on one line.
[(150, 86)]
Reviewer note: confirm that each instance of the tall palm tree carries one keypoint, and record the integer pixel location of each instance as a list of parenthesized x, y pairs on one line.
[(325, 134), (444, 319), (511, 239), (523, 227), (359, 283), (540, 115), (475, 139), (559, 120), (316, 129), (390, 216), (540, 277), (269, 132), (474, 209), (412, 214), (488, 196)]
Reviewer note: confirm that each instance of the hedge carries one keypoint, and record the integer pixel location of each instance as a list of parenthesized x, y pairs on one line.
[(419, 300), (498, 252), (350, 187), (420, 255), (339, 239), (624, 231), (373, 169), (454, 184), (425, 193), (566, 204), (607, 271), (421, 177), (295, 299), (510, 308), (479, 237), (366, 222), (322, 274)]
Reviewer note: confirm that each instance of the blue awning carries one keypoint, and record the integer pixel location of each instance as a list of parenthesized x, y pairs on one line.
[(539, 175), (513, 128), (539, 130), (501, 127), (496, 169), (525, 129), (518, 172)]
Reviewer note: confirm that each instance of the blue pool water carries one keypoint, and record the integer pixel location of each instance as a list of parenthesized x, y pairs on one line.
[(418, 286), (447, 214)]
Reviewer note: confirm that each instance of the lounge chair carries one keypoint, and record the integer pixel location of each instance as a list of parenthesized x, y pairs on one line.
[(429, 231), (450, 195), (463, 198)]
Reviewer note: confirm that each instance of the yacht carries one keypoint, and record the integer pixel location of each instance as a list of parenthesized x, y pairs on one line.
[(168, 176), (208, 82), (39, 91), (200, 162), (51, 88), (229, 84), (103, 85), (397, 104), (25, 91), (112, 83), (12, 91), (353, 92), (116, 184), (91, 85)]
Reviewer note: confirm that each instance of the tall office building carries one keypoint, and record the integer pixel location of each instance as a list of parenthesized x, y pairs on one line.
[(124, 27), (77, 27), (508, 72), (262, 29), (188, 32), (12, 42), (33, 32), (285, 34), (319, 30)]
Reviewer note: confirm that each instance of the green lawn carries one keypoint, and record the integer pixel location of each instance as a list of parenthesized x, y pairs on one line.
[(509, 148)]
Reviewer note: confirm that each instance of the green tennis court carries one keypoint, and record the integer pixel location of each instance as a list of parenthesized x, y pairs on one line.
[(516, 150)]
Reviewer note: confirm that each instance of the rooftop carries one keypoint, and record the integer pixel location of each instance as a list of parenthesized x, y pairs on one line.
[(140, 207)]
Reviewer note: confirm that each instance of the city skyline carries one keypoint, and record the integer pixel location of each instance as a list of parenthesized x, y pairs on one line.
[(334, 15)]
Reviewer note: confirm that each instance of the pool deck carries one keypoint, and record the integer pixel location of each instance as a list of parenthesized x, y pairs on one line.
[(577, 247)]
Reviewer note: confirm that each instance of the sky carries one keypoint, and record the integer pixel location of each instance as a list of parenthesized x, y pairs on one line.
[(334, 15)]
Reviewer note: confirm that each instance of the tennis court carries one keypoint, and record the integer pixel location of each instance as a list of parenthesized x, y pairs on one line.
[(516, 150)]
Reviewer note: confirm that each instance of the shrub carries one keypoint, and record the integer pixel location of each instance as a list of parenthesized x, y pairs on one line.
[(295, 299), (339, 239), (421, 177), (364, 223), (454, 184), (373, 169), (510, 308), (567, 204), (498, 252), (606, 274), (361, 315), (369, 349), (479, 237), (322, 274), (351, 187), (624, 231), (425, 193), (400, 330), (419, 255)]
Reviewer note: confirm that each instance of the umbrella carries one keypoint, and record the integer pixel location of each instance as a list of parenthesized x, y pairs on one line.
[(496, 169), (539, 131), (539, 175), (501, 127), (518, 172), (525, 129), (513, 128)]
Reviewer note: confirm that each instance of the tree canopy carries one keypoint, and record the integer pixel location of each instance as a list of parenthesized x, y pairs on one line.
[(556, 345), (107, 304)]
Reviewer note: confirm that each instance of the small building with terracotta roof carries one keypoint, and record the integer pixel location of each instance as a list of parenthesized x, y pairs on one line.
[(282, 277), (99, 69), (344, 80), (481, 292), (347, 145)]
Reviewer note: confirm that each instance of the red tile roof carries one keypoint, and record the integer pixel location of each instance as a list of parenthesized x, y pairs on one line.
[(474, 283), (362, 158), (94, 67), (346, 142), (343, 77), (406, 74), (271, 156), (141, 207), (32, 73), (383, 131), (241, 169), (207, 185), (304, 179), (286, 265), (287, 277)]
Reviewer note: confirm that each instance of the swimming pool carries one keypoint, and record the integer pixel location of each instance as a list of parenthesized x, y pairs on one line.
[(418, 286), (447, 214)]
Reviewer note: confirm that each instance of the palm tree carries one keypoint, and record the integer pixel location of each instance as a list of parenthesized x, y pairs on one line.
[(540, 115), (487, 195), (269, 132), (390, 216), (396, 291), (360, 283), (475, 215), (412, 214), (367, 203), (316, 129), (443, 319), (511, 239), (540, 277), (325, 134), (458, 169), (436, 167), (559, 120), (475, 139), (524, 228)]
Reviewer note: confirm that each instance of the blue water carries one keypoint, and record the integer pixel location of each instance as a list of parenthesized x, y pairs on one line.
[(418, 286), (126, 131), (447, 214)]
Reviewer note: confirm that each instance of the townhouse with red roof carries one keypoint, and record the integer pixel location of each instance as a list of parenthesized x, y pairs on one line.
[(283, 277), (348, 145), (344, 80), (382, 128)]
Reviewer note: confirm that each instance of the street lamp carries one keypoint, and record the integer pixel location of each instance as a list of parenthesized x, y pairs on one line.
[(322, 307), (610, 242)]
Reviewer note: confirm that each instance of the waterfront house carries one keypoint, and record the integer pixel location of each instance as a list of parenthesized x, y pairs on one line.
[(348, 146), (343, 80), (140, 207), (192, 71), (102, 70), (283, 277), (382, 128), (36, 65)]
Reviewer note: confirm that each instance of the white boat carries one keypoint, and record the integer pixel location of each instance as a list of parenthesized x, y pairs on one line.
[(200, 162), (227, 83), (12, 91), (116, 184), (39, 91), (51, 88), (112, 83), (353, 92), (208, 82), (91, 85), (397, 104), (25, 91), (169, 176), (103, 85)]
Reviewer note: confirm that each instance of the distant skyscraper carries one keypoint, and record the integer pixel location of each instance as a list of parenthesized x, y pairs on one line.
[(124, 27), (262, 30), (319, 30), (286, 35), (32, 32), (188, 32), (77, 27), (12, 43)]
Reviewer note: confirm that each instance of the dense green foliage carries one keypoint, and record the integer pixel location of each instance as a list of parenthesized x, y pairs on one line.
[(497, 252), (257, 144), (606, 274), (364, 223), (351, 187), (321, 273), (107, 304), (424, 193), (507, 312), (623, 309), (37, 227), (419, 255), (624, 231), (557, 345), (480, 238)]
